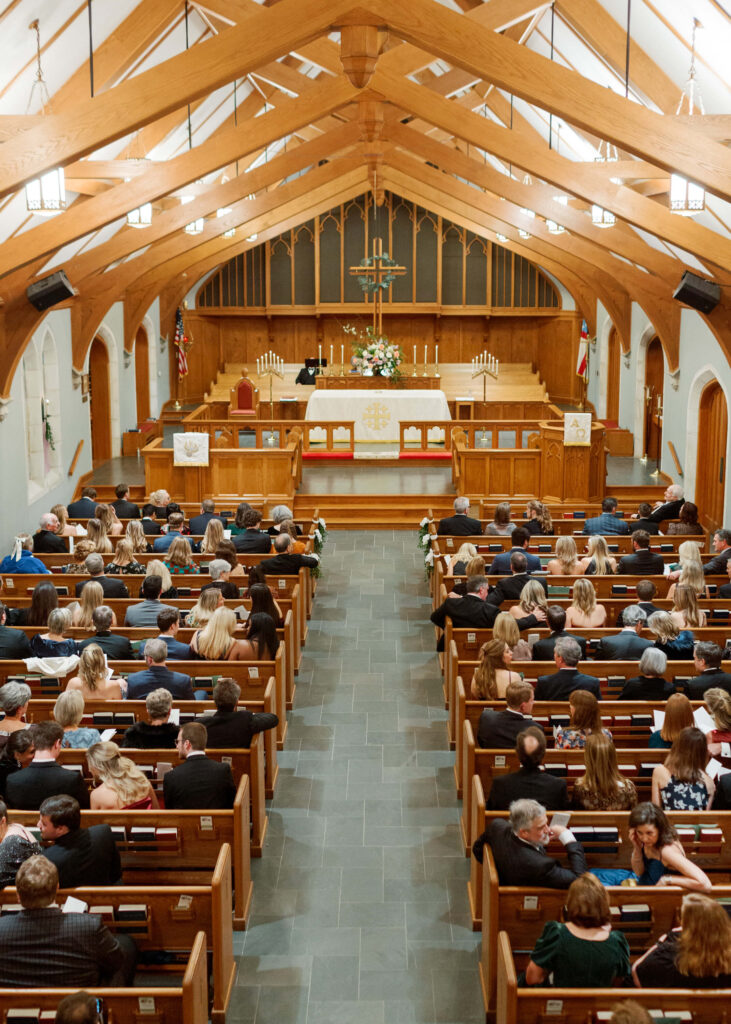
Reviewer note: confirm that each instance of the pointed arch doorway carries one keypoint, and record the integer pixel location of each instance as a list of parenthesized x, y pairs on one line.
[(142, 375), (613, 353), (99, 409), (654, 384), (710, 483)]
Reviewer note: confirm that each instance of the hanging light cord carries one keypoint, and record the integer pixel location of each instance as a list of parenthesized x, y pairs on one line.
[(550, 116), (91, 52), (187, 44), (626, 58)]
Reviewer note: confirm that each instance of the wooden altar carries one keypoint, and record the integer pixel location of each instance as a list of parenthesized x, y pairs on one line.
[(358, 380)]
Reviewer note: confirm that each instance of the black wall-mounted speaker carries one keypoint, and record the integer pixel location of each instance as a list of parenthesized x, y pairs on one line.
[(697, 292), (50, 291)]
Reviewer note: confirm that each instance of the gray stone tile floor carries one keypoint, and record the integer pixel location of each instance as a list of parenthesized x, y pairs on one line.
[(360, 911)]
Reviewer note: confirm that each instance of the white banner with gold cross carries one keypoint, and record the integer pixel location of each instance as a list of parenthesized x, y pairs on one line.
[(190, 449), (377, 414)]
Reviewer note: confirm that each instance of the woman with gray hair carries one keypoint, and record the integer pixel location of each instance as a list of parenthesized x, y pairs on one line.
[(53, 644), (649, 684), (279, 514), (68, 712), (159, 733), (14, 699)]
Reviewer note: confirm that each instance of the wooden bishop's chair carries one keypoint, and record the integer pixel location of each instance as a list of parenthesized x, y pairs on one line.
[(244, 400)]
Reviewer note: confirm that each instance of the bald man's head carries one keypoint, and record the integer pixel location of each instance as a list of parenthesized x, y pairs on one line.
[(530, 746)]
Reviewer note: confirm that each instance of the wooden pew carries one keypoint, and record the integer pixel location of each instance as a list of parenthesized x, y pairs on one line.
[(243, 763), (488, 764), (173, 917), (183, 1004), (515, 1005), (120, 714), (186, 852), (705, 836), (618, 544), (248, 674)]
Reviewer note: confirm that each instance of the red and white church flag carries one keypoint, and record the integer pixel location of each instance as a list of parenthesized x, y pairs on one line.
[(581, 362)]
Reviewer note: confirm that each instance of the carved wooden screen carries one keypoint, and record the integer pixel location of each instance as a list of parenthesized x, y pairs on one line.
[(308, 266)]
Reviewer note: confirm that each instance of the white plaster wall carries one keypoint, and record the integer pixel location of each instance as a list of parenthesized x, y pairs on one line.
[(598, 359)]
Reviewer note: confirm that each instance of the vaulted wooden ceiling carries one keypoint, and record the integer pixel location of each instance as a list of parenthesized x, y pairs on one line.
[(480, 110)]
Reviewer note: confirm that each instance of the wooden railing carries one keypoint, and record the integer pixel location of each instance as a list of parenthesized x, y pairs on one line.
[(431, 435), (330, 436)]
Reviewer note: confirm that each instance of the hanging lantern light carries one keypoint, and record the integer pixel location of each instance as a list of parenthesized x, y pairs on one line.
[(554, 228), (687, 198), (523, 233), (195, 227), (141, 216), (501, 238), (222, 211), (602, 218), (45, 195)]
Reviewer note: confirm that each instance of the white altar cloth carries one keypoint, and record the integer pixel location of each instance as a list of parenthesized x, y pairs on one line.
[(377, 413)]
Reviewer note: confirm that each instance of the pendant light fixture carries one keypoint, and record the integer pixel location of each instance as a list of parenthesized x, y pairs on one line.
[(687, 198), (45, 195), (600, 217)]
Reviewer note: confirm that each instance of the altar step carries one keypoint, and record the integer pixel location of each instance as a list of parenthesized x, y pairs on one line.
[(370, 511)]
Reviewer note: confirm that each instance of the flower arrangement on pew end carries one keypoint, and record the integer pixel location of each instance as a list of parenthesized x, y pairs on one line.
[(375, 356)]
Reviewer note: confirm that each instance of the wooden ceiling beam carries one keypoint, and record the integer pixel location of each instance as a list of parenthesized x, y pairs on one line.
[(160, 179), (257, 40)]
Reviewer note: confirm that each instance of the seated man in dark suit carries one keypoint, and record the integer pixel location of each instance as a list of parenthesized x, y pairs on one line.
[(159, 733), (150, 526), (518, 846), (645, 591), (460, 524), (722, 799), (85, 507), (627, 645), (556, 618), (253, 539), (285, 562), (94, 564), (560, 685), (643, 562), (125, 508), (45, 539), (14, 644), (530, 782), (228, 727), (157, 675), (509, 588), (499, 729), (725, 589), (83, 856), (42, 947), (608, 522), (642, 520), (199, 523), (199, 783), (520, 539), (27, 789), (115, 647), (718, 565), (707, 660), (220, 570), (474, 610), (168, 622)]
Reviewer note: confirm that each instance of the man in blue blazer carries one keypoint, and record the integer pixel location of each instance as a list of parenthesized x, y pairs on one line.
[(157, 676), (608, 522), (175, 529), (501, 563), (168, 622), (562, 684)]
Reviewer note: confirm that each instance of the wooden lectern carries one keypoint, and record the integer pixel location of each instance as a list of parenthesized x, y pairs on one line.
[(572, 472)]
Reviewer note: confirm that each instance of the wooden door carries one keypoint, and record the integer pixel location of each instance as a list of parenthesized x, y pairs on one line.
[(654, 382), (711, 461), (613, 377), (99, 411), (142, 375)]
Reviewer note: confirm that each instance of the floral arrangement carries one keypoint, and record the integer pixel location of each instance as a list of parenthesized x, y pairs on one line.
[(375, 356)]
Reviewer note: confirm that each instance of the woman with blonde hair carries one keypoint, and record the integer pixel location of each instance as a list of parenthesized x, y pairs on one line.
[(54, 644), (68, 712), (160, 499), (108, 518), (585, 720), (212, 537), (537, 518), (696, 955), (690, 564), (718, 702), (598, 561), (124, 560), (584, 612), (122, 785), (682, 783), (201, 612), (678, 716), (493, 676), (532, 596), (136, 535), (92, 595), (602, 787), (505, 627), (460, 561), (97, 534), (157, 568), (180, 558), (94, 680), (82, 548), (566, 562), (65, 529), (675, 643), (216, 641), (501, 526), (685, 612), (475, 567)]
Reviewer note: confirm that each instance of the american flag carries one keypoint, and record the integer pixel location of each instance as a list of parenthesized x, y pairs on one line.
[(181, 341), (583, 350)]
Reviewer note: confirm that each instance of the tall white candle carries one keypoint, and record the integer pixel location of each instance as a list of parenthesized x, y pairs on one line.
[(424, 355), (331, 355), (319, 353), (342, 354), (436, 355), (496, 365), (414, 355)]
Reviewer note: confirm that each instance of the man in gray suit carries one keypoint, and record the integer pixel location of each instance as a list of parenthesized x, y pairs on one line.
[(146, 613), (627, 645), (41, 947)]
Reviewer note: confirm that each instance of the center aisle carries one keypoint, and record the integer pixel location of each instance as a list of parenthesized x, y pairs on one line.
[(360, 910)]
